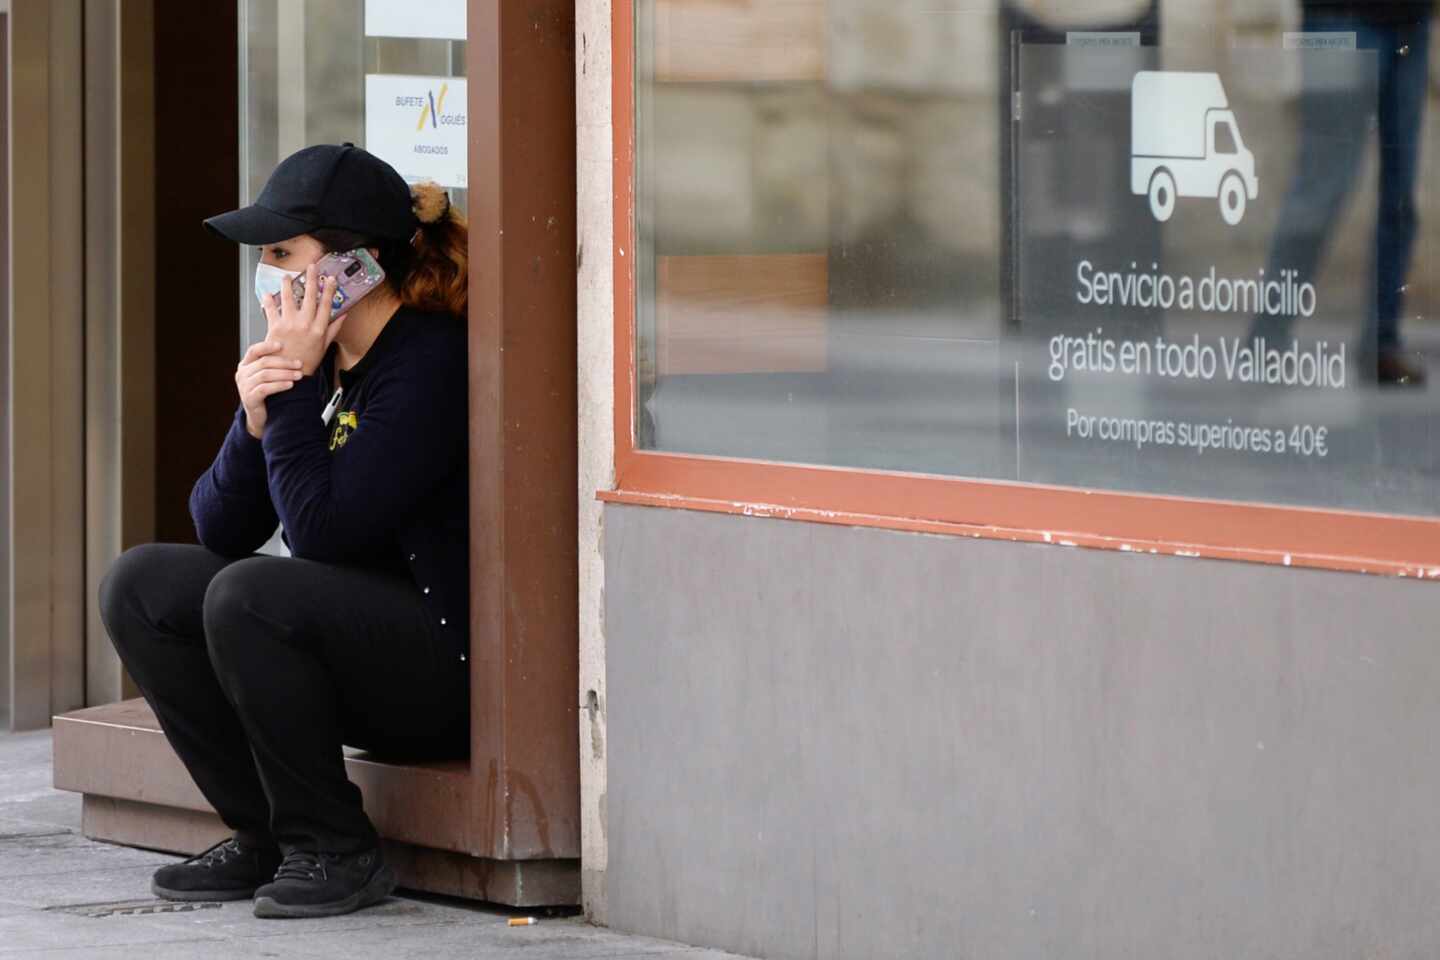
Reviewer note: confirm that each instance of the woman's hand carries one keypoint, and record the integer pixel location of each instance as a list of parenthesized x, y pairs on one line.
[(262, 371), (304, 332)]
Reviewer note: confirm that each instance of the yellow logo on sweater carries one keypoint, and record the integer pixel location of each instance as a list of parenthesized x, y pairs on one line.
[(345, 422)]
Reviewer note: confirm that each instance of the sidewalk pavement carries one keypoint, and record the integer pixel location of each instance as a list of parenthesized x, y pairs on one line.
[(63, 896)]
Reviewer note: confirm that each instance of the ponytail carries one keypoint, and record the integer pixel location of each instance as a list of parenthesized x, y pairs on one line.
[(438, 277)]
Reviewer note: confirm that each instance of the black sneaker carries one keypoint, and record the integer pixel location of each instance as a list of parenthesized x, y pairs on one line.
[(325, 884), (227, 871)]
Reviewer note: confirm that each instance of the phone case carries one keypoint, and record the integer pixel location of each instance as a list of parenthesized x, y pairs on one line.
[(356, 271)]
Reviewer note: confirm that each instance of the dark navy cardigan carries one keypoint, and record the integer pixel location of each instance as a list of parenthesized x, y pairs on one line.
[(394, 496)]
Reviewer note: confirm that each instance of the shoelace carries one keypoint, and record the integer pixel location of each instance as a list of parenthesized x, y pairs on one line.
[(303, 865), (220, 853)]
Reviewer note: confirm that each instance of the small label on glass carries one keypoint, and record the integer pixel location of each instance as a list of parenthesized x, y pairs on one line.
[(1315, 40), (1092, 38)]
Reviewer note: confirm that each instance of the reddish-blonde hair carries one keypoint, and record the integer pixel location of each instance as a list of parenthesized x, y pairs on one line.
[(438, 274)]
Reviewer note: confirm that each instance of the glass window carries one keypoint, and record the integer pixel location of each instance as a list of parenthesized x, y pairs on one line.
[(332, 71), (1225, 138), (999, 241)]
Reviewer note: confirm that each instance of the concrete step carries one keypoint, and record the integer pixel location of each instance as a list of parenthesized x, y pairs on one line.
[(136, 791)]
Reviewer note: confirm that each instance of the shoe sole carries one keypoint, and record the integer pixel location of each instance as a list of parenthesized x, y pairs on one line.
[(165, 893), (378, 888)]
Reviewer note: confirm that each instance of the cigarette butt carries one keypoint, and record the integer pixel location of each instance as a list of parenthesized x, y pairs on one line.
[(522, 921)]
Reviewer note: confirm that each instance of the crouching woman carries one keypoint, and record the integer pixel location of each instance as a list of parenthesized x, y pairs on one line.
[(351, 435)]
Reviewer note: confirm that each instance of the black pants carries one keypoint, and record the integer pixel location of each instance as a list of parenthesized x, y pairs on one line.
[(260, 668)]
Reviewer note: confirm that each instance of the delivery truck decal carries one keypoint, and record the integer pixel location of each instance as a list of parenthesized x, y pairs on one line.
[(1185, 142)]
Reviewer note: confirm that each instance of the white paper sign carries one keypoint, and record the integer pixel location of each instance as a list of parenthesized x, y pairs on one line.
[(417, 125), (440, 19)]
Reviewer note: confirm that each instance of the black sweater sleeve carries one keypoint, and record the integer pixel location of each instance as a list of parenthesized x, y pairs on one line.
[(230, 503)]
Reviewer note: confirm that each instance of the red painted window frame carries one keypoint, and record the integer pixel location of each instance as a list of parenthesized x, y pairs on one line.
[(1141, 523)]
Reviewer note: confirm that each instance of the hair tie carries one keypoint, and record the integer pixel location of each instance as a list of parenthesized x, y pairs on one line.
[(430, 201)]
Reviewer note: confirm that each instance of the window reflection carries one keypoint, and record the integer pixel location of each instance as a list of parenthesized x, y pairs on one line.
[(1334, 141), (858, 233)]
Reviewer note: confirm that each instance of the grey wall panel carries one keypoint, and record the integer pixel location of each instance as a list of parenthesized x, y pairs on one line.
[(6, 642), (44, 382), (834, 742)]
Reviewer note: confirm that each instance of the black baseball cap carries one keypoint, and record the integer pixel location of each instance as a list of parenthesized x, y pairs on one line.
[(341, 187)]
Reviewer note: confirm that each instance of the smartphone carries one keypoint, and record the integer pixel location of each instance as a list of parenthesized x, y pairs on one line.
[(356, 274)]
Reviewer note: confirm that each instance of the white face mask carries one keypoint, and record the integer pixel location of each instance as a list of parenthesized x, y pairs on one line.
[(271, 279)]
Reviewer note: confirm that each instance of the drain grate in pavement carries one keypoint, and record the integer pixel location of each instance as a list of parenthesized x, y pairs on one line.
[(134, 908)]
